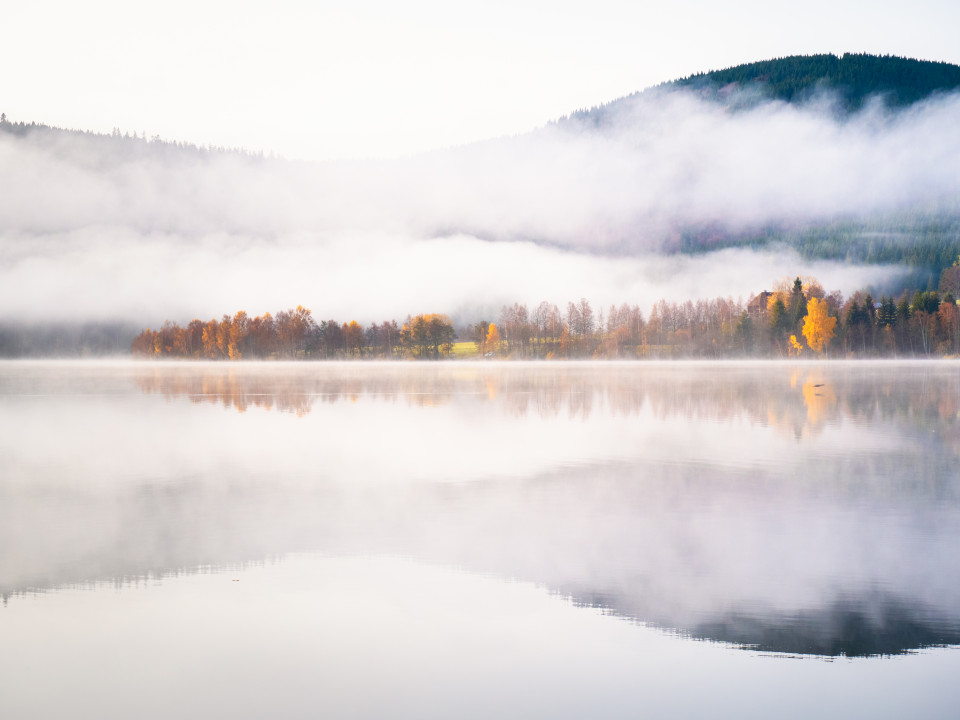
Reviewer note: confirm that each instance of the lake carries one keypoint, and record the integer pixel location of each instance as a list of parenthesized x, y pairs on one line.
[(476, 540)]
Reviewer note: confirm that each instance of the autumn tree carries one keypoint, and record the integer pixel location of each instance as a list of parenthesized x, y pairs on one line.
[(211, 349), (795, 348), (429, 335), (581, 324), (373, 339), (223, 336), (440, 333), (547, 324), (303, 329), (194, 338), (515, 328), (950, 279), (413, 335), (949, 324), (353, 338), (262, 335), (623, 329), (492, 341), (143, 345), (331, 337), (237, 335), (389, 337), (478, 333), (818, 325)]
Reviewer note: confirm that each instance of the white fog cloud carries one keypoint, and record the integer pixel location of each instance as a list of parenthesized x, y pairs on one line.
[(94, 229)]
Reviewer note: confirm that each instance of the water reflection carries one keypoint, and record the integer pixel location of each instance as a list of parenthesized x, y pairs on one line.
[(809, 509), (720, 392)]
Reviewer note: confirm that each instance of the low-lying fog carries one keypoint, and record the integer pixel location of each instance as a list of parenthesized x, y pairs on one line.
[(92, 228)]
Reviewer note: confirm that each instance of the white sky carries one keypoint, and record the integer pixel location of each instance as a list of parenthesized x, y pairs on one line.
[(320, 80)]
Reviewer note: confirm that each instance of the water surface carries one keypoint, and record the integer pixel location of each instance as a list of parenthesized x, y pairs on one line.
[(469, 540)]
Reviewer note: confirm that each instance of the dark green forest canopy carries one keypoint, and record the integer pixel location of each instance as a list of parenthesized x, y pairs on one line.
[(927, 242), (853, 77)]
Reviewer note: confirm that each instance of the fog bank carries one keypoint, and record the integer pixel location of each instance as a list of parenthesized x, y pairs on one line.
[(98, 228)]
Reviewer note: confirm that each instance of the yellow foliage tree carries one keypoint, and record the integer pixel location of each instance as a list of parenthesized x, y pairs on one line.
[(239, 327), (493, 338), (795, 346), (818, 325)]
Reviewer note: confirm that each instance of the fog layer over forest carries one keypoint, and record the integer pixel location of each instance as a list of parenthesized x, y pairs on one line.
[(97, 228)]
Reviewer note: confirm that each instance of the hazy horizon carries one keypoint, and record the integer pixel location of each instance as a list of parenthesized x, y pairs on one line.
[(310, 81)]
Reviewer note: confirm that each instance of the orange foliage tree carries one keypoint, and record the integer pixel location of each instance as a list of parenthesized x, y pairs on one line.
[(492, 342)]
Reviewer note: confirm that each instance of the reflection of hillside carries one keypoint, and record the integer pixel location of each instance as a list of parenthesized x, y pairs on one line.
[(747, 560), (850, 627)]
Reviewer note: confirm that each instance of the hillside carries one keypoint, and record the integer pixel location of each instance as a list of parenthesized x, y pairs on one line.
[(925, 237), (852, 79), (115, 146)]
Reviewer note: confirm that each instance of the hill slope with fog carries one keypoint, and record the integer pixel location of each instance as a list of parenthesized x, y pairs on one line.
[(924, 236), (850, 81), (719, 184)]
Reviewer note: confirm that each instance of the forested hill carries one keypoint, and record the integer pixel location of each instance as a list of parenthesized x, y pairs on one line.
[(923, 234), (116, 144), (853, 78)]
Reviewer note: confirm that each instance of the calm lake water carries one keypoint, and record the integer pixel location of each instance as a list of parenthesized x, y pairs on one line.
[(479, 540)]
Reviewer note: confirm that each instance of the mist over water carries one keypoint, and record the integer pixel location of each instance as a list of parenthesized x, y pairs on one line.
[(531, 521), (144, 232), (680, 496)]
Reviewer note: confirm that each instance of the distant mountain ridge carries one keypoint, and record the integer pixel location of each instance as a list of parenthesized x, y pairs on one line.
[(117, 144), (853, 78)]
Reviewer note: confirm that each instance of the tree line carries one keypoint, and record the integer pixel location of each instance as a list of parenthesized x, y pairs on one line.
[(796, 318), (295, 334)]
